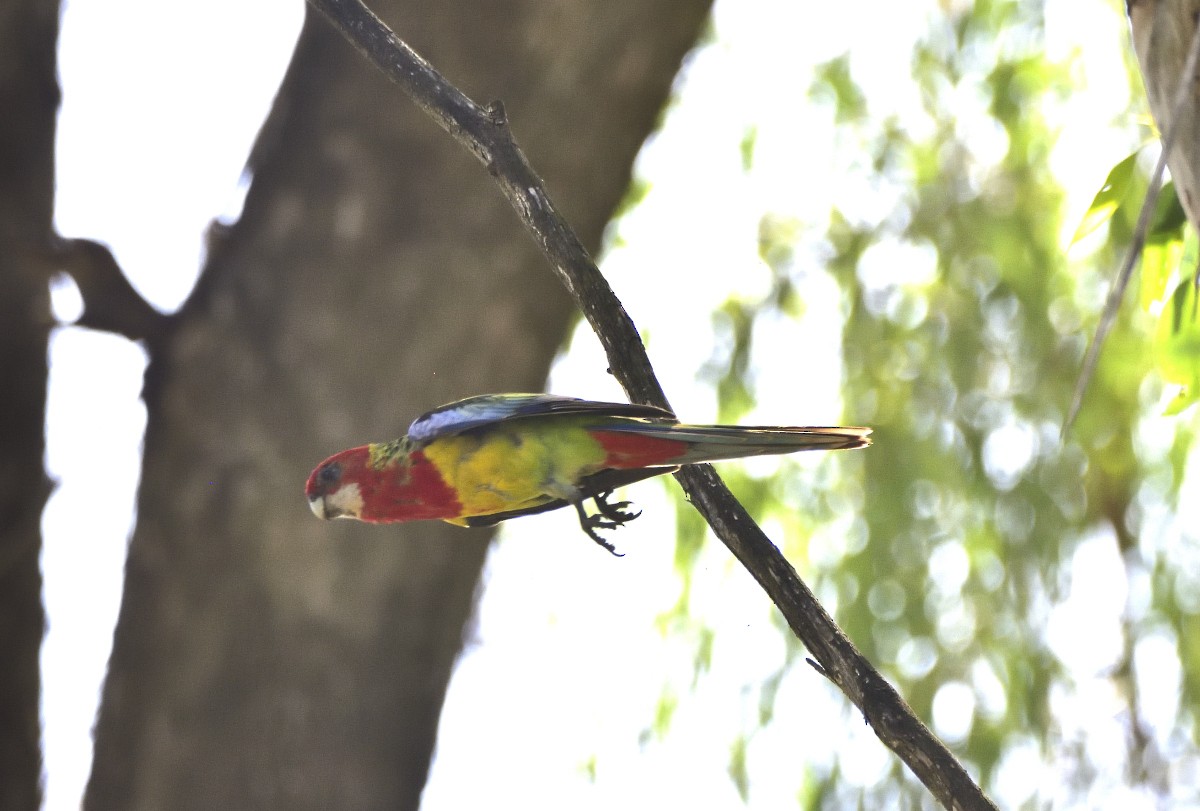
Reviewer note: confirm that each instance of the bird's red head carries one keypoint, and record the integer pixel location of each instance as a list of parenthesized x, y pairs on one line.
[(380, 484), (337, 488)]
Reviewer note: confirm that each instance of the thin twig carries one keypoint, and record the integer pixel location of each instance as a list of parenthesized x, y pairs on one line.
[(1113, 304), (485, 133)]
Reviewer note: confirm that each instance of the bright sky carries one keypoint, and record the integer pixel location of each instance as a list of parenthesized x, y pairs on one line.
[(554, 678)]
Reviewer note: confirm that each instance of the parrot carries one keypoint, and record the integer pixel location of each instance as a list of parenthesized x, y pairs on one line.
[(482, 460)]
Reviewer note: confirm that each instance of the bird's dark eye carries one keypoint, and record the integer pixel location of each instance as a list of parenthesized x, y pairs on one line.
[(330, 474)]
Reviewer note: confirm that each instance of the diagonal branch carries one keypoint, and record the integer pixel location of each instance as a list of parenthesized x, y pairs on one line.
[(484, 132)]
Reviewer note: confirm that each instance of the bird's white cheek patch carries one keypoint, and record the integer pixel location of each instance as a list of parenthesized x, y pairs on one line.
[(345, 502)]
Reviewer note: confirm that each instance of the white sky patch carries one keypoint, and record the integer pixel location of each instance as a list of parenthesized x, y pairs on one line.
[(953, 711), (154, 131), (776, 770), (1020, 774), (949, 567), (1095, 601), (1159, 678), (892, 261), (989, 691), (1095, 135), (797, 370), (956, 624), (1008, 452), (863, 759), (66, 302), (94, 454), (916, 657), (582, 649)]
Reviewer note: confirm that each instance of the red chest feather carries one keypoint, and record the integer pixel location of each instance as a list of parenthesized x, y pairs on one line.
[(412, 492)]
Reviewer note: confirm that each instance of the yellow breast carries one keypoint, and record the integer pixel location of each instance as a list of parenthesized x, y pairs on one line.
[(516, 465)]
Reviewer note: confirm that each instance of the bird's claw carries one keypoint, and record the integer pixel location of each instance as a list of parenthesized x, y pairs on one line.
[(609, 516), (614, 512), (591, 523)]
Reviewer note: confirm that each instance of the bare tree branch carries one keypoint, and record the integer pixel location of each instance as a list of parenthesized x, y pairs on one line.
[(485, 133), (109, 301)]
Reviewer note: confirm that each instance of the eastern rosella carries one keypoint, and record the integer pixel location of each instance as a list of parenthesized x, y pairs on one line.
[(485, 459)]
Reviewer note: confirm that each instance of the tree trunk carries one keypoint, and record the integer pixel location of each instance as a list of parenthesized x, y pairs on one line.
[(1162, 34), (264, 659), (29, 101)]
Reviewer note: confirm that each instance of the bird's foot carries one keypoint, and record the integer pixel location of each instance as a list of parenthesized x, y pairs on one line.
[(616, 513), (610, 516)]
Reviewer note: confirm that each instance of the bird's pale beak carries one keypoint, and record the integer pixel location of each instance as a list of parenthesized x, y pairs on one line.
[(317, 505), (344, 502)]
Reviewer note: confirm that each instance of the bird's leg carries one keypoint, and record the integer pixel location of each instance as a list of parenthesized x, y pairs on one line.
[(590, 523), (608, 516)]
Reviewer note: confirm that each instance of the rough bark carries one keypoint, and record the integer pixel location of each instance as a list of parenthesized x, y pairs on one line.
[(1162, 34), (29, 102), (264, 659)]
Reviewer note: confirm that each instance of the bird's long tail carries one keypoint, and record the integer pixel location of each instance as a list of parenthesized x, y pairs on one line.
[(693, 444)]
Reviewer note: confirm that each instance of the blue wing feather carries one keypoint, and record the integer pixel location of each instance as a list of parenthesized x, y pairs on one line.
[(487, 409)]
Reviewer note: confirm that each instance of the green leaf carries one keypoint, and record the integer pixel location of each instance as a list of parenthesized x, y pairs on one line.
[(1177, 344), (737, 768), (639, 187), (747, 148), (702, 663), (1169, 216), (1160, 258), (1166, 252), (1185, 399), (833, 83), (1115, 187), (668, 702)]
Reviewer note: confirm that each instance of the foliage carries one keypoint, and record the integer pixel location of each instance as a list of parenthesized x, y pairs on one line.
[(1168, 258), (976, 531)]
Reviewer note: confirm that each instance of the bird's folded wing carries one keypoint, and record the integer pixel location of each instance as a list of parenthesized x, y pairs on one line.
[(487, 409)]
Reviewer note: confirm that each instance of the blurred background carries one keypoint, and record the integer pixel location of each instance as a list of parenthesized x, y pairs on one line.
[(871, 213)]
